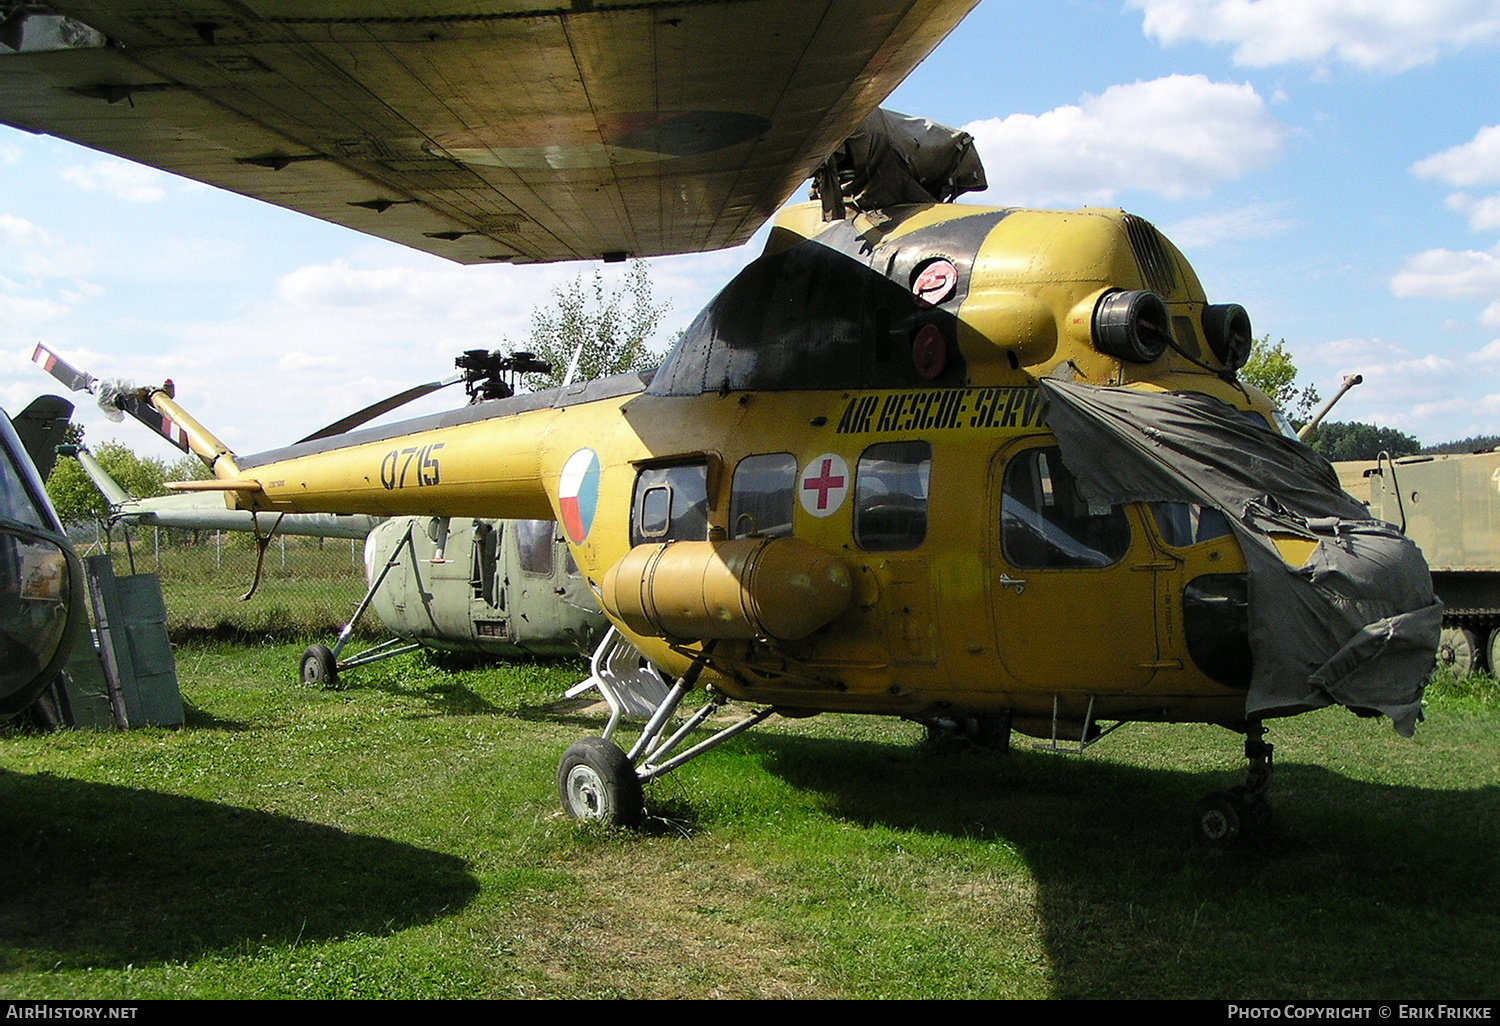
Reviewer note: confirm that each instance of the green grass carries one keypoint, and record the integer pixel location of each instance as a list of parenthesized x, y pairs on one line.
[(400, 838)]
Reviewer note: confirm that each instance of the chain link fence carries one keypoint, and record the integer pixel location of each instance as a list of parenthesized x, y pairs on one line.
[(308, 586)]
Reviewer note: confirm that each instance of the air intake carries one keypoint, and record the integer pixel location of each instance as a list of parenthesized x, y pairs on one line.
[(1156, 264)]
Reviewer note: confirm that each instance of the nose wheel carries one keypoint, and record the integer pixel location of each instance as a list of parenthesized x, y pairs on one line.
[(1241, 815)]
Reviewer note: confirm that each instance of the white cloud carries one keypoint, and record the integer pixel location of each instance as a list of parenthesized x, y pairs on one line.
[(25, 310), (1257, 221), (1450, 274), (1476, 162), (1490, 317), (1175, 136), (1483, 212), (118, 178), (1375, 35), (18, 231), (1416, 393)]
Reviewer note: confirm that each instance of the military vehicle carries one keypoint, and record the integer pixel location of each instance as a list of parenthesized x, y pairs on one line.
[(1450, 506)]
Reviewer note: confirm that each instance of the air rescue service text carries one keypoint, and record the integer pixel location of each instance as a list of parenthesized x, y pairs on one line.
[(942, 409)]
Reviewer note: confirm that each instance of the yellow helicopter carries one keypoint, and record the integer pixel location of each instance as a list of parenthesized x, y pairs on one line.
[(986, 468)]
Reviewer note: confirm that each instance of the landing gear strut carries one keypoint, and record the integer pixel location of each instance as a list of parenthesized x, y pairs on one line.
[(1231, 818), (599, 782)]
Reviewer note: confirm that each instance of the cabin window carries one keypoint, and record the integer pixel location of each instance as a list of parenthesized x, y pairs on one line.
[(890, 496), (1184, 524), (671, 504), (764, 495), (534, 546), (1046, 524)]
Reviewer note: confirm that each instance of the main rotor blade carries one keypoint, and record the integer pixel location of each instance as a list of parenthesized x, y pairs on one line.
[(385, 405), (62, 370)]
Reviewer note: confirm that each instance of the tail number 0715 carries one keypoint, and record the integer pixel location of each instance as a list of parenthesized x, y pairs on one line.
[(417, 466)]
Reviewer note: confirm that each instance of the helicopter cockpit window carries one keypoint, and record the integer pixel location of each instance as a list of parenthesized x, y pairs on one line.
[(15, 498), (534, 546), (671, 504), (890, 496), (1045, 523), (1184, 524), (763, 495)]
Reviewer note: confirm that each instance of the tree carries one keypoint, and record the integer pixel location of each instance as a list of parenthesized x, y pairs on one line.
[(1474, 443), (1353, 440), (614, 327), (1270, 369)]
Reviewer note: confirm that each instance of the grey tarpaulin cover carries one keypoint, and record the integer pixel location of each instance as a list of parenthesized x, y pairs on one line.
[(895, 158), (1357, 624)]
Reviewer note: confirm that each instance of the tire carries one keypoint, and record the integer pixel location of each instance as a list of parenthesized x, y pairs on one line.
[(597, 784), (319, 667), (1216, 821), (1458, 650)]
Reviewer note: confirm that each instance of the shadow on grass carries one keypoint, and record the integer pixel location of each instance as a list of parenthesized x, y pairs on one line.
[(98, 875), (1365, 890), (200, 719)]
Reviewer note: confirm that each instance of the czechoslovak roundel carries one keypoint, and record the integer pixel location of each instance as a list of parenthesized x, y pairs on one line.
[(578, 494)]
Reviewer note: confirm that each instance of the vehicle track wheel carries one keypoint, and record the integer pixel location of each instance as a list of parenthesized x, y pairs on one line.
[(597, 783), (1458, 650), (1217, 821), (319, 667), (1492, 650)]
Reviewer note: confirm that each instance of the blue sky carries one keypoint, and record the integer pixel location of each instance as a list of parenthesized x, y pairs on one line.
[(1332, 165)]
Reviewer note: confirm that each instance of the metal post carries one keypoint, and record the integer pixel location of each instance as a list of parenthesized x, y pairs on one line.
[(218, 550)]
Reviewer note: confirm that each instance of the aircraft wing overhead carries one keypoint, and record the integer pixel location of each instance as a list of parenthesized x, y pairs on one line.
[(478, 130)]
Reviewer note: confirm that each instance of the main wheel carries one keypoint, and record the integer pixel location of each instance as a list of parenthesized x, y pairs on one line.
[(597, 782), (1492, 650), (319, 667), (1216, 821), (1458, 650)]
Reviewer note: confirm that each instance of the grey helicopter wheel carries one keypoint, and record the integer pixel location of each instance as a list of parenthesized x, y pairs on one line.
[(319, 667), (1217, 821), (597, 784)]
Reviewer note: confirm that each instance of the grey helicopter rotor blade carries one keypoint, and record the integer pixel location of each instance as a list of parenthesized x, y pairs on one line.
[(385, 405)]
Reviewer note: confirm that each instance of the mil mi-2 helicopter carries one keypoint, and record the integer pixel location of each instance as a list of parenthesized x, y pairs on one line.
[(984, 467)]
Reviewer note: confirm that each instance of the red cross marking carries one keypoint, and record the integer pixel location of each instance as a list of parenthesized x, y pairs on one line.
[(823, 484)]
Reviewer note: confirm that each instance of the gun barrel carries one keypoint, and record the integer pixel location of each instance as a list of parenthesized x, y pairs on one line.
[(1310, 426)]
